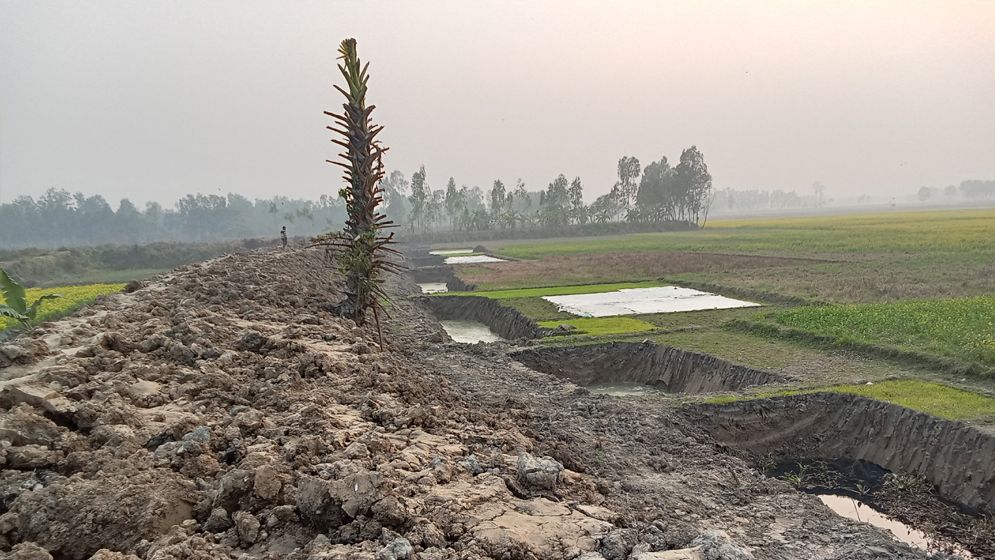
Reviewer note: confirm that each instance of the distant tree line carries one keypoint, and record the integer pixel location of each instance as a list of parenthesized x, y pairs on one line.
[(58, 218), (39, 266), (659, 194), (734, 200), (967, 190)]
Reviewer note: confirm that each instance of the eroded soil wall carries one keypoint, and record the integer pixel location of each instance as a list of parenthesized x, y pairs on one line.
[(676, 370), (505, 321), (958, 459)]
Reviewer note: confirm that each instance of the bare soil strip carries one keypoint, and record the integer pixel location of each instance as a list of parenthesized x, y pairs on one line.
[(610, 267)]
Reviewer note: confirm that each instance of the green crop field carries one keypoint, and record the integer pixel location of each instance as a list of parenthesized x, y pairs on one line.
[(858, 234), (862, 258), (602, 326), (73, 297), (932, 398), (962, 329)]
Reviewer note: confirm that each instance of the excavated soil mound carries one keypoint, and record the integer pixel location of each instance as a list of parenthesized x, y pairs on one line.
[(958, 459), (671, 369), (507, 322), (221, 412)]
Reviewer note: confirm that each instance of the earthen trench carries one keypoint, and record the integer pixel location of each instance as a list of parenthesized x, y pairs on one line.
[(957, 458), (670, 369)]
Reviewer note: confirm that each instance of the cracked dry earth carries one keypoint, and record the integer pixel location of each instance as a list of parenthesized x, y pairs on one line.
[(221, 412)]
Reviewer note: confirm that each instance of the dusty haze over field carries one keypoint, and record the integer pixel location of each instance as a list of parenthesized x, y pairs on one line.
[(152, 100)]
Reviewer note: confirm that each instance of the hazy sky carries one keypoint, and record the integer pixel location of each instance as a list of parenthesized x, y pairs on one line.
[(152, 100)]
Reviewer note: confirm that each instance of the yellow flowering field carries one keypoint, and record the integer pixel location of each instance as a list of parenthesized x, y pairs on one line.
[(73, 297)]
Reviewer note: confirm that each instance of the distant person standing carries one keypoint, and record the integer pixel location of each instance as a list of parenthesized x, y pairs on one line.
[(283, 236)]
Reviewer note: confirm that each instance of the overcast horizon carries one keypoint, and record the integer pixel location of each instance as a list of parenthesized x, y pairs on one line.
[(151, 101)]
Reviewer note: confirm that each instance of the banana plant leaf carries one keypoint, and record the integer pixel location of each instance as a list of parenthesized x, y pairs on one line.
[(32, 311), (13, 293), (8, 311)]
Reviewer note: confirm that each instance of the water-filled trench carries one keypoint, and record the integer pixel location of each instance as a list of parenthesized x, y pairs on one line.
[(933, 473)]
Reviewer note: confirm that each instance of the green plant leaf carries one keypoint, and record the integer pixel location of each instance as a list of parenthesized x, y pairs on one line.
[(13, 293), (33, 310), (7, 311)]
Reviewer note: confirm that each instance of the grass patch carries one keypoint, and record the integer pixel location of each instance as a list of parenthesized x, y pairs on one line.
[(932, 398), (105, 277), (602, 326), (963, 329), (741, 348), (73, 297), (812, 364), (537, 309), (816, 365), (556, 290)]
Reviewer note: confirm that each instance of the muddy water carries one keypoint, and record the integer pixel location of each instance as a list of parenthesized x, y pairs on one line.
[(447, 252), (472, 259), (433, 287), (859, 511), (624, 389), (469, 332)]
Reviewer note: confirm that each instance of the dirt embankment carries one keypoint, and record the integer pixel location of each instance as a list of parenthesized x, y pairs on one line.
[(221, 413), (507, 322), (224, 412), (958, 459), (671, 369)]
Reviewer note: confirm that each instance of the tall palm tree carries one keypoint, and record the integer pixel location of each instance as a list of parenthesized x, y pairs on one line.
[(362, 248)]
